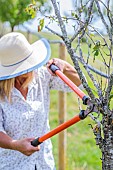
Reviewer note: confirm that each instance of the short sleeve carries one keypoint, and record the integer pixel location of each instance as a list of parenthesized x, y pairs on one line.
[(1, 121)]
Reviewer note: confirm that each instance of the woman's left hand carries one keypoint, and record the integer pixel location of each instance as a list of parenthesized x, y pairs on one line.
[(58, 62)]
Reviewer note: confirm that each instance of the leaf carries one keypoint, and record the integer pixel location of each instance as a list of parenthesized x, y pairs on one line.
[(90, 45), (42, 22), (96, 48), (39, 28), (74, 15), (41, 25), (96, 53)]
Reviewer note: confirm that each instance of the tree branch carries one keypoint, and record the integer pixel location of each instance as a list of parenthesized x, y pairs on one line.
[(84, 26), (109, 88)]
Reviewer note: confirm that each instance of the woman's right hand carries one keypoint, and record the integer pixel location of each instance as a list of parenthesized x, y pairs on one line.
[(24, 146)]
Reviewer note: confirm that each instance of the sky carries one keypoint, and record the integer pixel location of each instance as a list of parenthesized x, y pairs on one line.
[(65, 6)]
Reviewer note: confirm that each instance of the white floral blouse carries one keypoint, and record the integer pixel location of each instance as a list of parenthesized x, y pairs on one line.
[(29, 118)]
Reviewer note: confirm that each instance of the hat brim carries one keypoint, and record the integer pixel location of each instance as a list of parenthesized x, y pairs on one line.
[(40, 55)]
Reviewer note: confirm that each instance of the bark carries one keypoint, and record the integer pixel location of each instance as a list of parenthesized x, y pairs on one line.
[(107, 145), (12, 28), (104, 138)]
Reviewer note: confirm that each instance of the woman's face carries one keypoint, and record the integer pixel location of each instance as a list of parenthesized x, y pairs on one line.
[(25, 79)]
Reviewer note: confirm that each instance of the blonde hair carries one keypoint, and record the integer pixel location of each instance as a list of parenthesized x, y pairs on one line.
[(27, 81), (7, 85), (5, 88), (28, 78)]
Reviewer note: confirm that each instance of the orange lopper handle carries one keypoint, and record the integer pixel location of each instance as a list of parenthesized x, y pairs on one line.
[(80, 93), (70, 122), (58, 129)]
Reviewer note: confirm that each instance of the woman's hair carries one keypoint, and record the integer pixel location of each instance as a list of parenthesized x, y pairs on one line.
[(5, 88), (28, 80), (7, 85)]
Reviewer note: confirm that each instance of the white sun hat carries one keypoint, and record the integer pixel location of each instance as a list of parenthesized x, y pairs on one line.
[(18, 57)]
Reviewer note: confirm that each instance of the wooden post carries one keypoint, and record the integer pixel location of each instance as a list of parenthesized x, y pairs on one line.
[(62, 117)]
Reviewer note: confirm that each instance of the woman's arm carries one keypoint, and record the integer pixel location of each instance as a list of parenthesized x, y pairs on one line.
[(24, 145), (67, 69), (72, 74)]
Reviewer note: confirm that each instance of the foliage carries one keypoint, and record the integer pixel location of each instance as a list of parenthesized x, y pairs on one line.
[(96, 48), (33, 8), (14, 12), (41, 25)]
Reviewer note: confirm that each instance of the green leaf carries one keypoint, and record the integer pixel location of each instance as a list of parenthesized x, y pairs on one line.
[(90, 45), (74, 15), (96, 53), (41, 25)]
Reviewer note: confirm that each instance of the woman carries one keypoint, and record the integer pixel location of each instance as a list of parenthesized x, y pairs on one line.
[(24, 101)]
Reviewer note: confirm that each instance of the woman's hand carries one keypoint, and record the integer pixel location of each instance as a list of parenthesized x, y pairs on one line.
[(24, 146), (58, 62), (66, 68)]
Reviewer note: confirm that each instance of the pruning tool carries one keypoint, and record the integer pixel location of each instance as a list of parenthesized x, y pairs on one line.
[(91, 107)]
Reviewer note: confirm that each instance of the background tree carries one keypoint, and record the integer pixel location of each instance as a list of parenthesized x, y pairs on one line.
[(99, 48), (14, 12)]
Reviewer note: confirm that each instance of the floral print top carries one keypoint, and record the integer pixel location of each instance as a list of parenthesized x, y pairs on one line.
[(29, 118)]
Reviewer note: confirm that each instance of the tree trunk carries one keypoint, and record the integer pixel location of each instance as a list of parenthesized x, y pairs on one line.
[(107, 147), (12, 28)]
